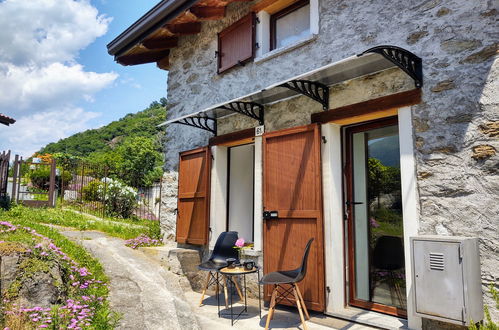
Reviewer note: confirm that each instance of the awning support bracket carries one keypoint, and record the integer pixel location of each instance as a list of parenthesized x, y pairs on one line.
[(313, 89), (404, 59), (250, 109), (200, 122)]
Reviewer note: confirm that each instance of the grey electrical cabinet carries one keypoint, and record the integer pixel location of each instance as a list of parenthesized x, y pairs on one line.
[(447, 278)]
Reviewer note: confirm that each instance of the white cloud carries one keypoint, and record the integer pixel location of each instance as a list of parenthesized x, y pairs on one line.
[(32, 131), (40, 78), (29, 86), (47, 31)]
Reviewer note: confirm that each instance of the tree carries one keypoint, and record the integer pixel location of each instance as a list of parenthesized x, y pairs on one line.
[(382, 179), (140, 161)]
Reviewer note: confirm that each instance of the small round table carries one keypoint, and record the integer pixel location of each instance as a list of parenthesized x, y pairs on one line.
[(239, 271)]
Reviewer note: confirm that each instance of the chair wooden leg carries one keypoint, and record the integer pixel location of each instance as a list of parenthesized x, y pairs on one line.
[(239, 292), (302, 302), (298, 304), (225, 292), (271, 307), (217, 289), (204, 289)]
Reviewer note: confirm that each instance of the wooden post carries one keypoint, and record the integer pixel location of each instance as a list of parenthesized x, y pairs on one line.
[(51, 201), (14, 179)]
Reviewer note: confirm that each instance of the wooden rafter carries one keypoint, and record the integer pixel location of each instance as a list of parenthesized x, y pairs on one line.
[(149, 57), (164, 63), (208, 13), (161, 43), (185, 28), (186, 17)]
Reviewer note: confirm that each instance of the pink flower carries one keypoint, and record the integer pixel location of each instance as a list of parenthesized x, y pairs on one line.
[(373, 223), (240, 242)]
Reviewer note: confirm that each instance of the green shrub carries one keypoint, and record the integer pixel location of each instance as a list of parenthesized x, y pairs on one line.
[(40, 178), (119, 199), (5, 202), (91, 191)]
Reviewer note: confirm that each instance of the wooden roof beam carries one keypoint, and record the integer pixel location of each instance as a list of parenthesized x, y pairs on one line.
[(149, 57), (164, 63), (160, 43), (208, 13), (185, 28), (186, 17)]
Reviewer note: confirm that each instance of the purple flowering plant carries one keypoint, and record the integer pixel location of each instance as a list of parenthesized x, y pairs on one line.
[(142, 240), (86, 294)]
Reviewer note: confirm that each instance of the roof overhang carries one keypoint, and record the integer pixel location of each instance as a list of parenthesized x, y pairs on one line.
[(150, 38), (6, 120), (371, 61)]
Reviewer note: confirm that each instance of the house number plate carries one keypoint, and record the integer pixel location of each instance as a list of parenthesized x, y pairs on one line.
[(259, 130)]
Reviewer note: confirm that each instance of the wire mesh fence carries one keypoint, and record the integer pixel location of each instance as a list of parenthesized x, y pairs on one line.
[(96, 189)]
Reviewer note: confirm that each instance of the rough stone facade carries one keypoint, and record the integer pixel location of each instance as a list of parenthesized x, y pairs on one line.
[(455, 126)]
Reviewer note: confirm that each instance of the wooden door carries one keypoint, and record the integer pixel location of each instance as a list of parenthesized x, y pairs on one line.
[(292, 186), (193, 196)]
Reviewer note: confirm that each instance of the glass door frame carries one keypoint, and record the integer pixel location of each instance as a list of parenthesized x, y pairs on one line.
[(349, 217)]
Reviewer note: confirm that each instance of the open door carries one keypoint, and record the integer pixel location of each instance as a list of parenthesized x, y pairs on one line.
[(292, 187), (193, 196)]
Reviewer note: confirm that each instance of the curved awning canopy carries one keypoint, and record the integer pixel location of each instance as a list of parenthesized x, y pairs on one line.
[(314, 84)]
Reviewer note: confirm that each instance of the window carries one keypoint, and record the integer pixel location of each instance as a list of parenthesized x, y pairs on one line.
[(284, 25), (236, 44), (290, 25)]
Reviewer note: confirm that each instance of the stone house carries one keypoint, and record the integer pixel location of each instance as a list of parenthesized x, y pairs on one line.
[(359, 124)]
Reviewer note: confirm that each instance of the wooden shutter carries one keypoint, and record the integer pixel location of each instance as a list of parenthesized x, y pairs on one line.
[(236, 44), (193, 196)]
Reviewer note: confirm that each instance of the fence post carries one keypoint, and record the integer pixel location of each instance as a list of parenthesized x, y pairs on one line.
[(14, 178), (19, 172), (104, 203), (52, 184)]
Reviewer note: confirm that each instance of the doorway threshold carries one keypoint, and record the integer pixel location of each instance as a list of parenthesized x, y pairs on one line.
[(370, 318)]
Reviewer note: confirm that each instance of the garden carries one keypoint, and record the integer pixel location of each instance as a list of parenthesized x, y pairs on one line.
[(51, 282)]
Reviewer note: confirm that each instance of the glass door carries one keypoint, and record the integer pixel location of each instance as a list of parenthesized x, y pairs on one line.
[(375, 221)]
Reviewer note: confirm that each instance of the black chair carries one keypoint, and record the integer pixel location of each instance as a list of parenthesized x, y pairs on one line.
[(388, 256), (291, 277), (224, 249)]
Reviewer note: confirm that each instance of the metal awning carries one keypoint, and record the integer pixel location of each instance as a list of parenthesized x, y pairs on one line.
[(314, 84)]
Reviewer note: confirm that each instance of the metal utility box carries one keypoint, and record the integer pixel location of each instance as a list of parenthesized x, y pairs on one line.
[(447, 278)]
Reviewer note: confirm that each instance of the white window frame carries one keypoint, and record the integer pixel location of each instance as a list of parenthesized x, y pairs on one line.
[(335, 249), (263, 52)]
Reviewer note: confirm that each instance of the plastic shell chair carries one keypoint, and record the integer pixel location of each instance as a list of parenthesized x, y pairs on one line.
[(388, 256), (224, 249), (291, 277)]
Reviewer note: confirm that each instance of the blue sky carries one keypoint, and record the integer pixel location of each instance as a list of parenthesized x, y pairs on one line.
[(56, 77)]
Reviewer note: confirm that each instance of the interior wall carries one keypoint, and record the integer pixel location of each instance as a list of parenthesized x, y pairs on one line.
[(241, 183), (218, 196)]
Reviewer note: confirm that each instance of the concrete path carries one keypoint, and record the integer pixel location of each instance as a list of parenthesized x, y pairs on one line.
[(150, 297), (147, 295)]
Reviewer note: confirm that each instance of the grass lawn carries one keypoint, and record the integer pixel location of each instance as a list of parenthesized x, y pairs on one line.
[(121, 228)]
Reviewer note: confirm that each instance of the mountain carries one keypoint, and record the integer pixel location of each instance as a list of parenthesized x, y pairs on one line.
[(143, 123)]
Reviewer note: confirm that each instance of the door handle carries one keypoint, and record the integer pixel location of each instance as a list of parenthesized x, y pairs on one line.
[(269, 215), (348, 203)]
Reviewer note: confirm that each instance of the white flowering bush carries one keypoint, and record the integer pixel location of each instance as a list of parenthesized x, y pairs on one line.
[(119, 199)]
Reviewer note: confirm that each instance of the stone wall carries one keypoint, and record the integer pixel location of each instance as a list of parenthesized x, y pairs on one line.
[(455, 126)]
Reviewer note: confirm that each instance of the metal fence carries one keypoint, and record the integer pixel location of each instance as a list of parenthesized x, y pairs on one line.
[(96, 189)]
